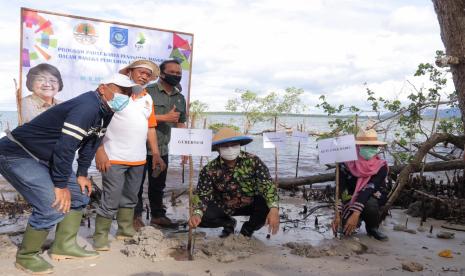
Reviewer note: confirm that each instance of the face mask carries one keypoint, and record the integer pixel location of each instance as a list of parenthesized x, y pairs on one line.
[(368, 152), (136, 90), (230, 153), (119, 102), (172, 80)]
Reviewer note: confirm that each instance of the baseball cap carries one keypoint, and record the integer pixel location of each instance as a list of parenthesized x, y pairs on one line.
[(120, 80)]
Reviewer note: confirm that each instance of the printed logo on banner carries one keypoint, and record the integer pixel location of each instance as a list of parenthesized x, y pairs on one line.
[(140, 41), (118, 37), (85, 33)]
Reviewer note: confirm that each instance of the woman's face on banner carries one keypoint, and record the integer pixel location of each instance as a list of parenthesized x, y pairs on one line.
[(45, 85)]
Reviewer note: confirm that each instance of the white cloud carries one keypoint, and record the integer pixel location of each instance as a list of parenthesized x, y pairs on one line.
[(325, 47)]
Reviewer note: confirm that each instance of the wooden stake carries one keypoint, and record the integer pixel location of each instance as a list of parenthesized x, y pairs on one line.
[(182, 173), (201, 157), (190, 237), (276, 155), (190, 242), (336, 203), (298, 155)]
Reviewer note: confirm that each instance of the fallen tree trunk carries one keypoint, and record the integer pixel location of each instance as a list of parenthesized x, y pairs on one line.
[(289, 183)]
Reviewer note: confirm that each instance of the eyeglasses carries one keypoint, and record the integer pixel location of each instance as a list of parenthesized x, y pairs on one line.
[(42, 80)]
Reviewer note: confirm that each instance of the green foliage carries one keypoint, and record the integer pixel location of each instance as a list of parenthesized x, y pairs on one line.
[(256, 108), (198, 107), (197, 110), (453, 126), (216, 126), (404, 119)]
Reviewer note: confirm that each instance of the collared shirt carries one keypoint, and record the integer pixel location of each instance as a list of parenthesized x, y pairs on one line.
[(33, 105), (164, 102), (233, 188), (125, 139)]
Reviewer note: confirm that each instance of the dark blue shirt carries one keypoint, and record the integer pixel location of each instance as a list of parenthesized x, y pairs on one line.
[(56, 134)]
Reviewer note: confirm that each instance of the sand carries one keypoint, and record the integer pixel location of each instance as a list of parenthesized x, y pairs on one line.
[(150, 252)]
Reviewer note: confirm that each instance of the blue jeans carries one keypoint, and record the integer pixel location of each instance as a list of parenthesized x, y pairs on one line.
[(33, 181)]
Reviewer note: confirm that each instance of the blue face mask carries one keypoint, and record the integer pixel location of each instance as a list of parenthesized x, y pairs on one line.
[(368, 152), (119, 102)]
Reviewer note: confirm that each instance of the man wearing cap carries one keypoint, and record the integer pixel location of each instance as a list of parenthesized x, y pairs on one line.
[(363, 187), (236, 183), (122, 156), (37, 157), (170, 110)]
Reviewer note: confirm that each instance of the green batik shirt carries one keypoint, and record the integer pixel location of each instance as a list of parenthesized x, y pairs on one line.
[(164, 102), (233, 188)]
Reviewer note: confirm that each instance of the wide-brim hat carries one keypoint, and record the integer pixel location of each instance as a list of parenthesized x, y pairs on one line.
[(142, 63), (368, 137), (228, 135)]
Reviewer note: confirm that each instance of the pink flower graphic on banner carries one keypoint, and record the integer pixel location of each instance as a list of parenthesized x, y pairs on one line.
[(37, 38)]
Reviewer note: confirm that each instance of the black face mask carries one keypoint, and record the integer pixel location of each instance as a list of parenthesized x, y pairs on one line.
[(172, 80)]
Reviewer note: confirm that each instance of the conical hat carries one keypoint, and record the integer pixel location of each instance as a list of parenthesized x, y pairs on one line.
[(227, 135), (142, 63), (368, 137)]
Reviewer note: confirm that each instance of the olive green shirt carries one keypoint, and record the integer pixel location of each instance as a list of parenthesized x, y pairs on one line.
[(164, 102)]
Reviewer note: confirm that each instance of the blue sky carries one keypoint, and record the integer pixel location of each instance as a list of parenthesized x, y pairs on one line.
[(328, 47)]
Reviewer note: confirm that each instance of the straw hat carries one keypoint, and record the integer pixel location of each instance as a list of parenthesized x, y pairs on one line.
[(227, 135), (368, 137), (142, 63)]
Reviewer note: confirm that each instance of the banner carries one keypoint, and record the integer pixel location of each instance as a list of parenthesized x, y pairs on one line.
[(86, 51)]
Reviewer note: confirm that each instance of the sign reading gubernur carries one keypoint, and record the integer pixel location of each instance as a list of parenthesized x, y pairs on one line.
[(194, 142)]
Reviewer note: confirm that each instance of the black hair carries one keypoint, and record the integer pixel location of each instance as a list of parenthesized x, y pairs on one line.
[(36, 70), (168, 61)]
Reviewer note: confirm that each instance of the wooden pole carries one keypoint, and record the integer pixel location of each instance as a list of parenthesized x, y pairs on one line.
[(298, 156), (336, 203), (190, 237), (275, 155), (201, 157), (190, 242)]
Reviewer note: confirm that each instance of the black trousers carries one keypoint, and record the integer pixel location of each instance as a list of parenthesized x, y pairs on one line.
[(155, 190), (371, 213), (215, 217)]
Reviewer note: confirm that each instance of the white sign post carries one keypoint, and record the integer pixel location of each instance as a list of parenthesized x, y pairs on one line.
[(191, 142), (273, 140), (335, 150), (299, 136)]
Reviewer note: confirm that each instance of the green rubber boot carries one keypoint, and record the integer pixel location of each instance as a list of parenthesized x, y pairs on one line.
[(125, 218), (65, 245), (102, 228), (28, 258)]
